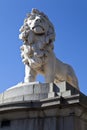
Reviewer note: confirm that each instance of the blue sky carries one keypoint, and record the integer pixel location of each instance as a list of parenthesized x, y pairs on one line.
[(70, 21)]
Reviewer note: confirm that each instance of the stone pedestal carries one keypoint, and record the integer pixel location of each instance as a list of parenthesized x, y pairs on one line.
[(46, 106)]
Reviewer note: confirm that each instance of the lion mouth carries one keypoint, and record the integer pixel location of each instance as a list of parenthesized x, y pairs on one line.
[(38, 29)]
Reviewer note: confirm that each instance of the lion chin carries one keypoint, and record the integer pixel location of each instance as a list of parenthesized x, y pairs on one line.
[(38, 35)]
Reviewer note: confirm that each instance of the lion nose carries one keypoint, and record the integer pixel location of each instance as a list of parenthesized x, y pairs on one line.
[(38, 20)]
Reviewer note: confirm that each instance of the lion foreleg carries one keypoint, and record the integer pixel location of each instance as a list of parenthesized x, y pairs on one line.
[(30, 74), (50, 69)]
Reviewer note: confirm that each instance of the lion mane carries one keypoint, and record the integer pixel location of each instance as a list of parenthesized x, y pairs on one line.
[(38, 35)]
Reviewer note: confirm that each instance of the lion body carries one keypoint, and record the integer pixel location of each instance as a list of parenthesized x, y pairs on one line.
[(37, 52)]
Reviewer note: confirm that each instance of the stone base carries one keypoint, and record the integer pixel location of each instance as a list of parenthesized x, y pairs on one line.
[(36, 91), (45, 106)]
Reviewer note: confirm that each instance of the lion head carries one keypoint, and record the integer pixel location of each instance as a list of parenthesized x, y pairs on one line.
[(38, 35)]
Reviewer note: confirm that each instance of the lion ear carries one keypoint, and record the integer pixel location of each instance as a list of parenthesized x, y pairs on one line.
[(35, 11)]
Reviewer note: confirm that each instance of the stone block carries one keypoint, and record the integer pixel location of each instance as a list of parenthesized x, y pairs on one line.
[(35, 96), (65, 86), (68, 123), (44, 96), (18, 91), (61, 86), (39, 96), (51, 94), (1, 97), (13, 99), (42, 88), (52, 87), (66, 93)]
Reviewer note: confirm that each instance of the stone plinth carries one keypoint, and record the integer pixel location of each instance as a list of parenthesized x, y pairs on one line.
[(47, 106)]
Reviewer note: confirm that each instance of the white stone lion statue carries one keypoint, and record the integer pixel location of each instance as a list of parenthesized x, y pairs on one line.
[(38, 35)]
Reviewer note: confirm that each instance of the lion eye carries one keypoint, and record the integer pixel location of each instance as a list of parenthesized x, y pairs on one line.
[(38, 20), (32, 17)]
